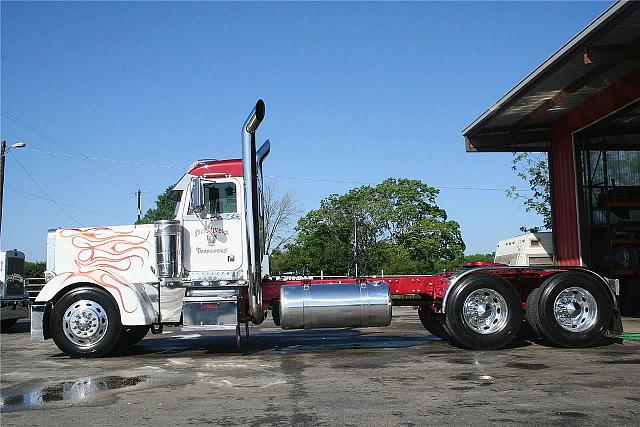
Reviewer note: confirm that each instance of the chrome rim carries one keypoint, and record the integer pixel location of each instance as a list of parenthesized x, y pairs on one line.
[(575, 309), (485, 311), (85, 323)]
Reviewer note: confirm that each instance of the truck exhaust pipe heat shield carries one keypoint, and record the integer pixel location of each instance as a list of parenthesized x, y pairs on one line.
[(250, 173), (335, 305), (168, 235)]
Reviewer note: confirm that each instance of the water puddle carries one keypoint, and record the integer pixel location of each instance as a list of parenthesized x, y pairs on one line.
[(80, 390)]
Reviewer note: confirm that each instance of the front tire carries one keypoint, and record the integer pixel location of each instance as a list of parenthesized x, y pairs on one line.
[(483, 312), (573, 310), (85, 322)]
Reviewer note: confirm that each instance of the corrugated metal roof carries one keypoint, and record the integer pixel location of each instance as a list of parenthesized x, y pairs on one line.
[(520, 120)]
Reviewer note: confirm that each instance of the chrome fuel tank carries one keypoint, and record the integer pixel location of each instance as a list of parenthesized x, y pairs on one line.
[(336, 305)]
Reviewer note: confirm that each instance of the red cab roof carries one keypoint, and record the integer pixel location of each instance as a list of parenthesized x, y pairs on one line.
[(231, 167)]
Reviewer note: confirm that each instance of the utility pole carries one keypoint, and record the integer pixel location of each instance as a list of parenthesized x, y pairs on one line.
[(3, 152), (139, 194), (355, 241)]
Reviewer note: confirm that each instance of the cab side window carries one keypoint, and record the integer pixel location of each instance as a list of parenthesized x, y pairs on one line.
[(220, 198)]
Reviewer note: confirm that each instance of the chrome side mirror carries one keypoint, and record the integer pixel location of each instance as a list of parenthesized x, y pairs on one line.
[(197, 197)]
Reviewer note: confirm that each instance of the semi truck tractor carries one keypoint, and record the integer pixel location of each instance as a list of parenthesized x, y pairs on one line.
[(14, 298), (202, 270)]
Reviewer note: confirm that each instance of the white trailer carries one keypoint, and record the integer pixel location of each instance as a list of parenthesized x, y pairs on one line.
[(526, 250)]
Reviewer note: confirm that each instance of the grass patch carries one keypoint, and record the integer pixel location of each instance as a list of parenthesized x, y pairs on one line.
[(633, 336)]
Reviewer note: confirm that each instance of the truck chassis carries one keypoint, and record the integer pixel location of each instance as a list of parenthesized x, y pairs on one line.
[(105, 288)]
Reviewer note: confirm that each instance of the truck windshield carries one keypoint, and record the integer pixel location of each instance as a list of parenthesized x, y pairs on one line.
[(220, 198)]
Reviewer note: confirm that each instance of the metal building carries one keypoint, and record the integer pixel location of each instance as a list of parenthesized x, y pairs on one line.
[(582, 107)]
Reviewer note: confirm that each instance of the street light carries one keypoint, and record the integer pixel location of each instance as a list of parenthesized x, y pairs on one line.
[(3, 152)]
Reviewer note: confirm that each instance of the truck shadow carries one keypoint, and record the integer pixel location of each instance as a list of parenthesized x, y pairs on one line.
[(281, 342), (287, 342), (21, 327)]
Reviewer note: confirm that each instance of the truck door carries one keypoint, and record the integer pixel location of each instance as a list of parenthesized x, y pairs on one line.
[(213, 240)]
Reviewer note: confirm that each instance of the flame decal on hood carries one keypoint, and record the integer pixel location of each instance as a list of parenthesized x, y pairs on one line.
[(108, 248), (102, 252)]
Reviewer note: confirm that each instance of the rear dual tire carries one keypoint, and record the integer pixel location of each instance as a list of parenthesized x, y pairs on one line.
[(483, 312), (570, 309)]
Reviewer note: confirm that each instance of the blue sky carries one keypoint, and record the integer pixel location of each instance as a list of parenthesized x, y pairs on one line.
[(355, 92)]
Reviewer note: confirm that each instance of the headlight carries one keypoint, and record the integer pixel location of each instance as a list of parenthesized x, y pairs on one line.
[(48, 275)]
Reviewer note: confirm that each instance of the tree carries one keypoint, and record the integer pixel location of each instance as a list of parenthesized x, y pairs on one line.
[(279, 213), (164, 209), (480, 257), (400, 229), (533, 168), (34, 269)]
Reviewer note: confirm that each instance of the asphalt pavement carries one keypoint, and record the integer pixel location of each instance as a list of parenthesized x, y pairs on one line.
[(398, 375)]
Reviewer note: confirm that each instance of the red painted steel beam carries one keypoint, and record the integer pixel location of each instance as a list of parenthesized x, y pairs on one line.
[(429, 286), (607, 101)]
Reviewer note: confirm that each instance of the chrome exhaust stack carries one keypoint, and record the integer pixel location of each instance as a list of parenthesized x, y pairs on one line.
[(250, 166)]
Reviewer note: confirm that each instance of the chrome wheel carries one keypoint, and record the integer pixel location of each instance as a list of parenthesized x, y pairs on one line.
[(485, 311), (84, 323), (575, 309)]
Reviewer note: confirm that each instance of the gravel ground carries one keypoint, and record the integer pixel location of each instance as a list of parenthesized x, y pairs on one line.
[(398, 375)]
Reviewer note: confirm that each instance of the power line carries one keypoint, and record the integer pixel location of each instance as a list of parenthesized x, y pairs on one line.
[(332, 181), (105, 159), (58, 143), (61, 203), (43, 190), (337, 181), (57, 156)]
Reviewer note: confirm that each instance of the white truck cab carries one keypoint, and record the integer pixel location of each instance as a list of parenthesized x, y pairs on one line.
[(107, 286), (213, 248)]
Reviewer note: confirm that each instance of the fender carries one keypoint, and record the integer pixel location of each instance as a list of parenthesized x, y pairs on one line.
[(134, 304)]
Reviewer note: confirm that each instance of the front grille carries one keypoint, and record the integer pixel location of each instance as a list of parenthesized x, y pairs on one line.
[(14, 285), (15, 265)]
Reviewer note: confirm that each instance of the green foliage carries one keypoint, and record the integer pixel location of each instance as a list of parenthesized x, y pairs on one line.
[(164, 209), (480, 257), (400, 229), (533, 168), (34, 269)]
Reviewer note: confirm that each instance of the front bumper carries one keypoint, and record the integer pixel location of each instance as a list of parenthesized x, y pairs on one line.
[(14, 309)]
